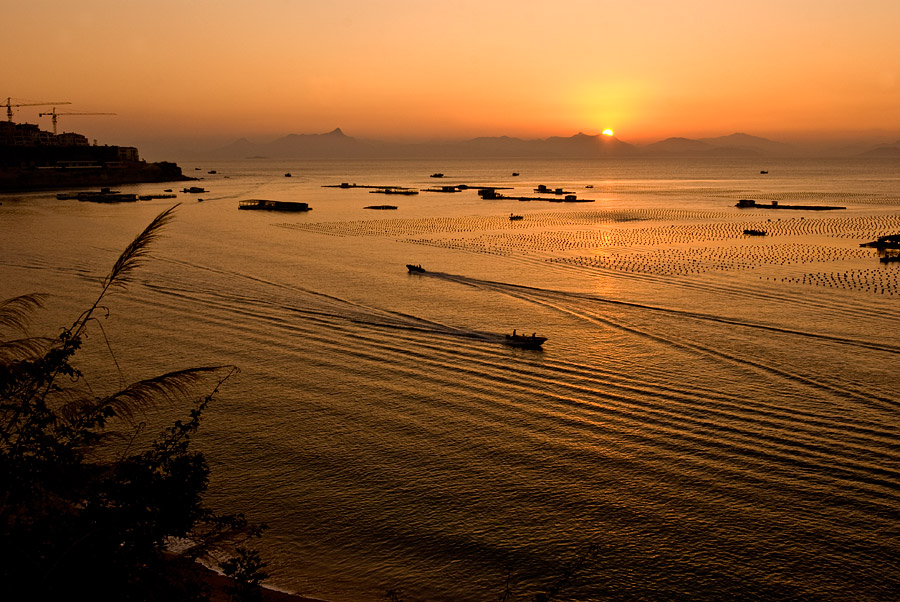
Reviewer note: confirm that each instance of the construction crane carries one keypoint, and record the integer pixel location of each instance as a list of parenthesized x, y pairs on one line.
[(10, 105), (53, 115)]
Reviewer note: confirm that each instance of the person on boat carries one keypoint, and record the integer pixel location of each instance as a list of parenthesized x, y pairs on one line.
[(514, 332)]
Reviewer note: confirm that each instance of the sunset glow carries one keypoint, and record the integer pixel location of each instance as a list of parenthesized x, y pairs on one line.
[(404, 70), (607, 132)]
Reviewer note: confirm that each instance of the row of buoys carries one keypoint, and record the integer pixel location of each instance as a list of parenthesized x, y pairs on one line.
[(663, 248), (681, 233), (884, 281), (464, 244), (701, 260), (418, 226)]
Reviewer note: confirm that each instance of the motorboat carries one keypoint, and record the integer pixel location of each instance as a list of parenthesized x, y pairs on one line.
[(523, 341)]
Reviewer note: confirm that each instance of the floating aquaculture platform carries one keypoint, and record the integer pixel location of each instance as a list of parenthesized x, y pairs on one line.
[(543, 189), (266, 205), (444, 189), (492, 194), (392, 190), (569, 198), (150, 197), (751, 204), (346, 185), (104, 195)]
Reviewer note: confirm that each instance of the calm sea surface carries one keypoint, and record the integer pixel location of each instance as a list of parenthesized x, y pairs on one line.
[(716, 414)]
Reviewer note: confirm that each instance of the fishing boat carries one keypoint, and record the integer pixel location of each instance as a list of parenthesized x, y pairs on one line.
[(415, 269), (515, 218), (524, 341)]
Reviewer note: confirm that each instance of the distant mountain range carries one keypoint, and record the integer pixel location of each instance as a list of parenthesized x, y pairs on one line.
[(336, 144), (884, 150), (733, 145)]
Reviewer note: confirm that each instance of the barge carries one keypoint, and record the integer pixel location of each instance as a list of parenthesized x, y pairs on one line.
[(266, 205), (751, 204)]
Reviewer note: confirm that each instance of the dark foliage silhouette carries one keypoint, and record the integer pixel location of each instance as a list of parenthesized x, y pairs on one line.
[(84, 514)]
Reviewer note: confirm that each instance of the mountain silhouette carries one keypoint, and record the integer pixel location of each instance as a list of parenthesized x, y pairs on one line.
[(338, 145)]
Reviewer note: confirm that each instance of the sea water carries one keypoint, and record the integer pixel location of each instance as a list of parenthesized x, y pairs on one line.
[(714, 415)]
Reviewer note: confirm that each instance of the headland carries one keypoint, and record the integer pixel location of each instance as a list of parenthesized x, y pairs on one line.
[(33, 159)]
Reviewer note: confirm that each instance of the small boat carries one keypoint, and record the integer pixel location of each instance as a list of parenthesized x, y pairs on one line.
[(763, 171), (194, 190), (523, 341), (515, 173), (415, 269), (515, 218), (381, 207), (287, 175), (753, 232), (437, 175)]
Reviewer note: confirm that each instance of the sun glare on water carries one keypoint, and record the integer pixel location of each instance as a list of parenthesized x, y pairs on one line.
[(607, 132)]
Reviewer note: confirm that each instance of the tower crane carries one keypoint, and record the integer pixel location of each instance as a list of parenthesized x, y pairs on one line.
[(10, 105), (53, 115)]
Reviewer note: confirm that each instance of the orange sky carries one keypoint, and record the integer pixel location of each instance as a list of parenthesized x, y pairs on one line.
[(413, 69)]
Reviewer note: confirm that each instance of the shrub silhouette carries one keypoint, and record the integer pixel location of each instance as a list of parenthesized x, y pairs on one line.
[(81, 518)]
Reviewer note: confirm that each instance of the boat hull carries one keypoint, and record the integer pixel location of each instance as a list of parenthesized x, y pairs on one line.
[(524, 342)]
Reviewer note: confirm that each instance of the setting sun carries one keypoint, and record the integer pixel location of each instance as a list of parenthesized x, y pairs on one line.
[(607, 132)]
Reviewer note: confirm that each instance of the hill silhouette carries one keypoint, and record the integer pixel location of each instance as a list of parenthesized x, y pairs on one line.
[(338, 145)]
